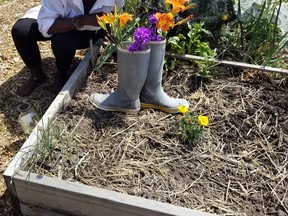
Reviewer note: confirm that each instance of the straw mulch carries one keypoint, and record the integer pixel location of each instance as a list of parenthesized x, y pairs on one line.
[(239, 168)]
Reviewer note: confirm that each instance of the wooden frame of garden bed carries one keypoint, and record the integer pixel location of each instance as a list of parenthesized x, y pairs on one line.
[(34, 194)]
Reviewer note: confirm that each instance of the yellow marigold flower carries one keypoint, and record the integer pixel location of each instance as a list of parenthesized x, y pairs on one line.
[(178, 5), (165, 21), (203, 120), (224, 18), (124, 18), (182, 109)]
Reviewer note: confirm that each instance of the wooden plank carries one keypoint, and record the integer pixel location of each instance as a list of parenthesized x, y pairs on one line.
[(231, 63), (72, 198)]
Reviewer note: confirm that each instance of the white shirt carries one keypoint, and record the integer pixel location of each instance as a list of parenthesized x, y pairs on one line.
[(53, 9)]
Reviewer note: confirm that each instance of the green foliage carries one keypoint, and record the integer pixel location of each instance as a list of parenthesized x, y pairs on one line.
[(131, 6), (152, 6), (256, 34), (193, 44)]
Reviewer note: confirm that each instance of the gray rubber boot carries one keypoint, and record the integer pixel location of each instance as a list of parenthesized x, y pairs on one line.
[(152, 94), (132, 71)]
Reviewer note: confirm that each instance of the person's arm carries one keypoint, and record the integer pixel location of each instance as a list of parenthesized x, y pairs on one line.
[(53, 19), (67, 24)]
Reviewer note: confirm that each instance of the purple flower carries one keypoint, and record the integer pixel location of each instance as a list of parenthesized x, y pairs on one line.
[(155, 37), (142, 35), (152, 19), (135, 47)]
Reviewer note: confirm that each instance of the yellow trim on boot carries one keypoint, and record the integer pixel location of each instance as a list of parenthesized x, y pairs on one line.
[(153, 106)]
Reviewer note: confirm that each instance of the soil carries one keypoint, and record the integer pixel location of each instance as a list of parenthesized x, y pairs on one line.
[(239, 168)]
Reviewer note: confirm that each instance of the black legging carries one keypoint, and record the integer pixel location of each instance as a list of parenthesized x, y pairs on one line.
[(25, 34)]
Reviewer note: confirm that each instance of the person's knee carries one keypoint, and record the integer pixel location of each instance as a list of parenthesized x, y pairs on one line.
[(24, 29), (17, 30)]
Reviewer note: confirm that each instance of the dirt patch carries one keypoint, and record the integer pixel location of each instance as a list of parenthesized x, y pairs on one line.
[(240, 167)]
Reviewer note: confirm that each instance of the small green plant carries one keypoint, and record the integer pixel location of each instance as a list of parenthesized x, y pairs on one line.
[(190, 127), (44, 147), (193, 44)]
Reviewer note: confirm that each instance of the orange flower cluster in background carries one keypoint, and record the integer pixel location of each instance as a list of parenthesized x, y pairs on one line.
[(167, 20), (179, 5)]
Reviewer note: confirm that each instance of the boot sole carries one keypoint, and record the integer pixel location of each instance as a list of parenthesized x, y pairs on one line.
[(161, 108), (116, 109)]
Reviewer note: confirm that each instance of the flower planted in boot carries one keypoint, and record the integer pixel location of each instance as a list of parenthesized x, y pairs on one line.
[(152, 94), (134, 63), (131, 67), (132, 70)]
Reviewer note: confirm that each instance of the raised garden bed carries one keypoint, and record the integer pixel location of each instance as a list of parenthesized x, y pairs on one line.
[(238, 169), (35, 193)]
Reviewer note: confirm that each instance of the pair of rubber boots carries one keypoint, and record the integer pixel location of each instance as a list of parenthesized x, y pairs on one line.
[(139, 83), (37, 77)]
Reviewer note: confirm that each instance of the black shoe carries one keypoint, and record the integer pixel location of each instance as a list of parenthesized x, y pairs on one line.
[(32, 83)]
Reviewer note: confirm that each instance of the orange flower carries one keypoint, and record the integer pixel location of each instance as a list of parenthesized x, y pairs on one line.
[(116, 22), (106, 19), (124, 18), (165, 21), (101, 21), (184, 20), (179, 5)]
